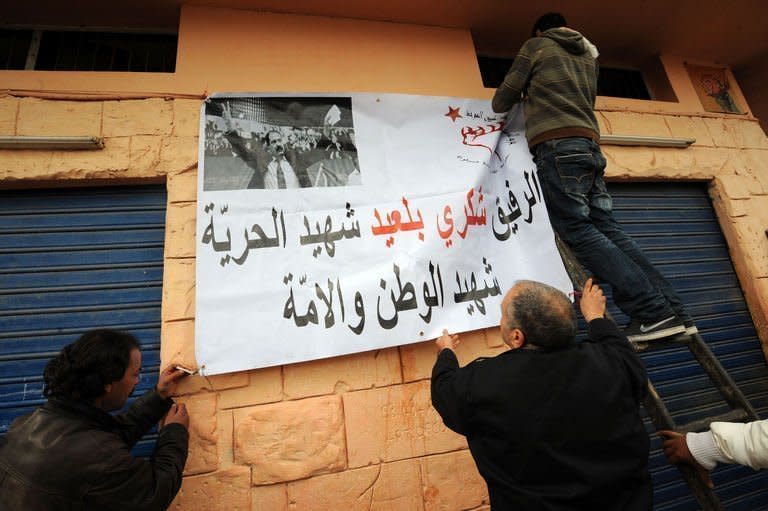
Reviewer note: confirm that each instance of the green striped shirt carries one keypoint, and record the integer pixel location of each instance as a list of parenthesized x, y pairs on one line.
[(555, 76)]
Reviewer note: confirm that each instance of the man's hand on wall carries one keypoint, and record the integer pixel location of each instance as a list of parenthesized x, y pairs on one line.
[(177, 415), (447, 341)]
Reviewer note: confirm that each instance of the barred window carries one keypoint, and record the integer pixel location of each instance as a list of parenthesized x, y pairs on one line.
[(60, 50), (14, 48)]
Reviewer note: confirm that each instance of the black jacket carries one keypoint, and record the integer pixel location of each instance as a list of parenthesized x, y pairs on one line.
[(72, 455), (553, 430)]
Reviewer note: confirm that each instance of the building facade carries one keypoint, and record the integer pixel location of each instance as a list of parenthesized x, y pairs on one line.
[(358, 431)]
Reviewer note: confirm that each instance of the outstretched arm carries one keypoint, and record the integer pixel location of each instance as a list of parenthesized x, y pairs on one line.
[(138, 483), (745, 444), (226, 114), (605, 331), (510, 92), (725, 442), (448, 384)]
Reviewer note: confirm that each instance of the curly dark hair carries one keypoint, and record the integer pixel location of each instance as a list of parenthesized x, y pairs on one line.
[(82, 369)]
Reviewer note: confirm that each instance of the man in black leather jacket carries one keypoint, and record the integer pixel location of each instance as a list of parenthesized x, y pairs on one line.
[(70, 453)]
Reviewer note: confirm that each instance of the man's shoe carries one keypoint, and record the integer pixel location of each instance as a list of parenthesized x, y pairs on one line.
[(639, 331), (690, 327)]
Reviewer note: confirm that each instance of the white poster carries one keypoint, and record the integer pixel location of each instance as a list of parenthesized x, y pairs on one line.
[(335, 224)]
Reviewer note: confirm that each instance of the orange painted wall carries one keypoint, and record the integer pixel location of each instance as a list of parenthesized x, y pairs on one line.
[(232, 50), (273, 52)]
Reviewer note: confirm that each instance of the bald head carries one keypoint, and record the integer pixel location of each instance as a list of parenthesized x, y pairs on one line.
[(543, 315)]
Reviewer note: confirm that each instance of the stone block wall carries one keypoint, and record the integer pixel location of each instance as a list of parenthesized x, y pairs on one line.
[(357, 431), (731, 154)]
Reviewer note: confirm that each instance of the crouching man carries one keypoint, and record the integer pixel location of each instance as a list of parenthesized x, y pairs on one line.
[(70, 453)]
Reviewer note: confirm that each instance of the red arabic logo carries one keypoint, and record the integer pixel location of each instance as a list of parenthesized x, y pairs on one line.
[(471, 136)]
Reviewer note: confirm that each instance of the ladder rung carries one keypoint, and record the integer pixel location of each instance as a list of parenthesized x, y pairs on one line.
[(647, 346), (735, 415)]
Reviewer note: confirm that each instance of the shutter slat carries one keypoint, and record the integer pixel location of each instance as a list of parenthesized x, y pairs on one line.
[(72, 260), (678, 230)]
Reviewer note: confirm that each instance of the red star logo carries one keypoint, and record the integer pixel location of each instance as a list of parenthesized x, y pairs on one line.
[(453, 113)]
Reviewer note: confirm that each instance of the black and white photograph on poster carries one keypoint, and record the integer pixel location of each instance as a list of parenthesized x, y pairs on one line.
[(279, 143)]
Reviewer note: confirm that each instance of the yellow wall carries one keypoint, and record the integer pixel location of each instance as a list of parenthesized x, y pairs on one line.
[(274, 52), (355, 431), (278, 52)]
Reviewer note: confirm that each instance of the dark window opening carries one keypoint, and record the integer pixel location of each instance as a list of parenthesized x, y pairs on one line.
[(493, 70), (14, 47), (619, 83), (622, 83), (89, 51)]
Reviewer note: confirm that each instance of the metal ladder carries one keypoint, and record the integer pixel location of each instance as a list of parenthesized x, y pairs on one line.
[(741, 410)]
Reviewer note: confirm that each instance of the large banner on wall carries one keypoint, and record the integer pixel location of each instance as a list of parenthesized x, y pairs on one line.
[(334, 224)]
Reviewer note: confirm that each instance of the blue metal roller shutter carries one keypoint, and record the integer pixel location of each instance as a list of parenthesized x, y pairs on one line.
[(72, 260), (677, 228)]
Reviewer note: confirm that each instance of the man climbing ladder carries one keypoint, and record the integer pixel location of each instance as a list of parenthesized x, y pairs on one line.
[(555, 77)]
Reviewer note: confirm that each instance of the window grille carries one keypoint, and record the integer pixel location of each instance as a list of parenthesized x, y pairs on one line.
[(52, 50)]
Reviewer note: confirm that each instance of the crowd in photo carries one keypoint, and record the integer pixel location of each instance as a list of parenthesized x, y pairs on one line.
[(325, 156)]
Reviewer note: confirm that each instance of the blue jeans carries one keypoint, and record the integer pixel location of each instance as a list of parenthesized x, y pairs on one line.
[(571, 172)]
